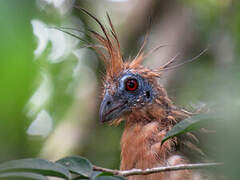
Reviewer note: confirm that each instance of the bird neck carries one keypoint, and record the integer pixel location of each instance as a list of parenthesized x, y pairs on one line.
[(146, 115), (144, 130), (161, 109)]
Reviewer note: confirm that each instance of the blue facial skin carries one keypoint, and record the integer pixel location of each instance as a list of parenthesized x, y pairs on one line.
[(113, 106), (143, 94)]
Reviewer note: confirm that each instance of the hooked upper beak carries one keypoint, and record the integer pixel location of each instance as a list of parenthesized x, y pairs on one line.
[(111, 108)]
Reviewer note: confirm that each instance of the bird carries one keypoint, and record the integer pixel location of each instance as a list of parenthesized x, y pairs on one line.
[(133, 94)]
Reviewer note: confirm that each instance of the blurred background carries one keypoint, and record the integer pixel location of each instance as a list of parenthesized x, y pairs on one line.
[(51, 84)]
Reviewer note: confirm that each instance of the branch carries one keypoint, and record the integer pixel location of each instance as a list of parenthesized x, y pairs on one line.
[(156, 169)]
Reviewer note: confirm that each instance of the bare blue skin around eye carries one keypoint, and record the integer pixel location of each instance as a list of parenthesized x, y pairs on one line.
[(142, 95)]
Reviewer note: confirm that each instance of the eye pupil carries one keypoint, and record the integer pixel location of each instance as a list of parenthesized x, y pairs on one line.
[(131, 85)]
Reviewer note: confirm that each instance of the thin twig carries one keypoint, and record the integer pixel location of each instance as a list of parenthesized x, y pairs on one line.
[(113, 171), (156, 169)]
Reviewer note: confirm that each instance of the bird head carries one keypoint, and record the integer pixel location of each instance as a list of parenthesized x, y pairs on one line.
[(128, 85), (129, 90)]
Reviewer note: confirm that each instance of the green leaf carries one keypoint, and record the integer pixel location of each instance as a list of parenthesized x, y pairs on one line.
[(105, 174), (110, 178), (80, 178), (78, 165), (22, 175), (35, 165), (96, 174), (190, 124)]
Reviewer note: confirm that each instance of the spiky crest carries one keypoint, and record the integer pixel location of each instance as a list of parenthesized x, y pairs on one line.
[(113, 60)]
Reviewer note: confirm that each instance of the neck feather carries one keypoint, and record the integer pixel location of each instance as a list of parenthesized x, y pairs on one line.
[(161, 110)]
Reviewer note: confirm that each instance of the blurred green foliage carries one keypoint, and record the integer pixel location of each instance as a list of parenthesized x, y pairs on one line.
[(17, 72)]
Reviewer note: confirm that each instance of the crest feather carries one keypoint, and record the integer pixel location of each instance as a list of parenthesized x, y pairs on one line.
[(110, 51), (113, 60)]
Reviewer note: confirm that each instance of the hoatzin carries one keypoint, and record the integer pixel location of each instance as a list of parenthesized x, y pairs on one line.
[(132, 93)]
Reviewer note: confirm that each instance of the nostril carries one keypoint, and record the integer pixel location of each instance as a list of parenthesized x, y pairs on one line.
[(109, 102)]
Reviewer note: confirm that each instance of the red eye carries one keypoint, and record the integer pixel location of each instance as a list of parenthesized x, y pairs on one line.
[(131, 85)]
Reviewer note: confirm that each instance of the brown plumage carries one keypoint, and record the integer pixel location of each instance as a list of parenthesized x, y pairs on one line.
[(148, 115)]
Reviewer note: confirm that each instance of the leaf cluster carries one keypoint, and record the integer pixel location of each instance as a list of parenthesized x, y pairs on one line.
[(69, 168)]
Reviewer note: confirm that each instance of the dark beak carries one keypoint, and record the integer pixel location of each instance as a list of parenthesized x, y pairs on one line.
[(111, 108)]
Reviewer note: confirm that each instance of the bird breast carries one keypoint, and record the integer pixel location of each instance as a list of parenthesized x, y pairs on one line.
[(141, 149)]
